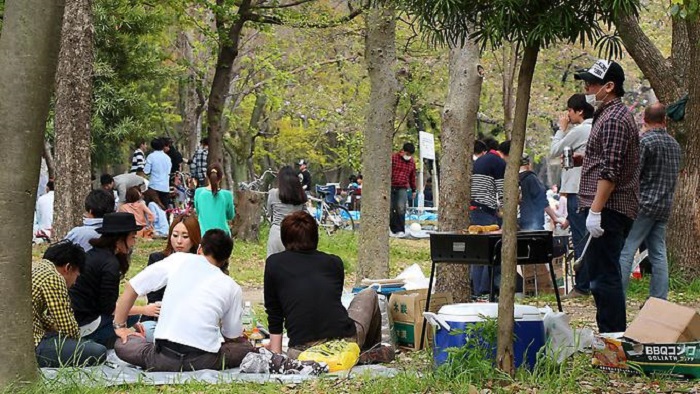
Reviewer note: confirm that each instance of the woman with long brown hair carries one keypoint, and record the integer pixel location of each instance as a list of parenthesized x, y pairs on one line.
[(214, 205), (183, 237)]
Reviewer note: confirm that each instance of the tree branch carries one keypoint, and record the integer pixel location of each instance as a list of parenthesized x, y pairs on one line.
[(649, 59), (292, 4), (272, 20)]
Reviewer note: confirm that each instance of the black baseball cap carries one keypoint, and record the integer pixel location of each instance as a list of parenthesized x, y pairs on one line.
[(601, 72)]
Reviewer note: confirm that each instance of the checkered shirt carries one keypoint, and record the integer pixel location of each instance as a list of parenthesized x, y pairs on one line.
[(198, 168), (612, 153), (51, 310), (660, 161), (403, 173)]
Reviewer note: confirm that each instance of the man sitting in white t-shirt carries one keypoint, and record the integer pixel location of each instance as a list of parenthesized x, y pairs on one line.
[(201, 308)]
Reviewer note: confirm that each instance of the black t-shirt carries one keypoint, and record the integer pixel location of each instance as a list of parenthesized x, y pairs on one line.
[(96, 290), (302, 291), (305, 178)]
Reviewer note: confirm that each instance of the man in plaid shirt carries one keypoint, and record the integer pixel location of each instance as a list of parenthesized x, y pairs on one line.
[(198, 165), (56, 334), (609, 188), (403, 177), (660, 161)]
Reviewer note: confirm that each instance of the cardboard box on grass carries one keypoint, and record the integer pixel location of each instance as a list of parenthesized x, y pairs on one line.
[(407, 309), (664, 338)]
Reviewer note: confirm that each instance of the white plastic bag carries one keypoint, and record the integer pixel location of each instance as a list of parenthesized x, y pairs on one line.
[(561, 342)]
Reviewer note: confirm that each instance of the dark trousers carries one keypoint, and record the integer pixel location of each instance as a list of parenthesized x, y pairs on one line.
[(104, 334), (397, 217), (157, 358), (579, 234), (55, 351), (164, 198), (603, 261), (480, 275)]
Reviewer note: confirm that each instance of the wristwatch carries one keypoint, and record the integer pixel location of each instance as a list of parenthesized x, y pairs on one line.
[(117, 326)]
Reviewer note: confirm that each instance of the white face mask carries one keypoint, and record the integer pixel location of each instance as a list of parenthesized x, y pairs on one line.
[(406, 157), (592, 99)]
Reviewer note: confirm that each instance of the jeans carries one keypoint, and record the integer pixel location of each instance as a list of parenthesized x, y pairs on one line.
[(603, 260), (577, 223), (653, 233), (104, 334), (397, 217), (481, 280), (55, 351)]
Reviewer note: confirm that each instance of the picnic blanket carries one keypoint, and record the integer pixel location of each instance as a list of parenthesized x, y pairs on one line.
[(116, 372)]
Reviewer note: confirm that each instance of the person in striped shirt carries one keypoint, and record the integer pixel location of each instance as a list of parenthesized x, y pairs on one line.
[(138, 159)]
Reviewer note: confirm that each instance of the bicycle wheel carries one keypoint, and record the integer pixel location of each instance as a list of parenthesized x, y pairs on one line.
[(341, 218)]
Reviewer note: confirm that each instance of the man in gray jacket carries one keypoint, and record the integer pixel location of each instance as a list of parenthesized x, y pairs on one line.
[(574, 128)]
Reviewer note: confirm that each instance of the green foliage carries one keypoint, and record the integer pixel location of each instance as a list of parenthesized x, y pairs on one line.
[(539, 23), (130, 76), (685, 9), (473, 363)]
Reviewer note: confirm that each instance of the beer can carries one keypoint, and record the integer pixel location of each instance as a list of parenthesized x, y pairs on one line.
[(568, 158)]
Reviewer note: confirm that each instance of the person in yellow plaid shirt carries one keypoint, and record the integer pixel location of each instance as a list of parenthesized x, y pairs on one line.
[(56, 333)]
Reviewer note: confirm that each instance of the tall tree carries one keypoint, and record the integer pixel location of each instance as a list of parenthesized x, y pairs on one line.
[(671, 79), (380, 54), (231, 16), (73, 114), (457, 139), (534, 24), (28, 53)]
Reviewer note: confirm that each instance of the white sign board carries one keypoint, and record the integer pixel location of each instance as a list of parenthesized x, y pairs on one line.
[(427, 145)]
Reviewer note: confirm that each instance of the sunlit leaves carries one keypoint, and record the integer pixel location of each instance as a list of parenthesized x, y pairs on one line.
[(530, 22)]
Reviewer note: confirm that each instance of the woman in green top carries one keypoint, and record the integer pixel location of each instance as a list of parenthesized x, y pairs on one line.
[(214, 206)]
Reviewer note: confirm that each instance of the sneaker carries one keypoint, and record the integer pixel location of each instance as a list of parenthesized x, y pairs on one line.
[(574, 293), (380, 354), (400, 234)]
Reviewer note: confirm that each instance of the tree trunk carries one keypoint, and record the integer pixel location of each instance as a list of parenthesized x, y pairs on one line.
[(506, 298), (48, 158), (246, 224), (670, 79), (510, 65), (188, 97), (457, 141), (380, 52), (73, 115), (684, 225), (229, 39), (28, 53)]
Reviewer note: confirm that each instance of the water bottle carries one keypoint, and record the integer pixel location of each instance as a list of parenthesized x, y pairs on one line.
[(248, 318)]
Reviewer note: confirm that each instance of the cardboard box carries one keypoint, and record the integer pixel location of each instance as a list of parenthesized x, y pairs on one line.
[(407, 309), (661, 321), (620, 355)]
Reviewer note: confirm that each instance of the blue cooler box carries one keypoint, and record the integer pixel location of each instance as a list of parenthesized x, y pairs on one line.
[(529, 329)]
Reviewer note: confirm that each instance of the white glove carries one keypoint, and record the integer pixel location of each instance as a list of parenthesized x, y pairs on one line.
[(593, 224)]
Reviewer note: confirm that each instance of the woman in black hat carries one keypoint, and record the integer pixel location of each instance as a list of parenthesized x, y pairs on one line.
[(94, 295)]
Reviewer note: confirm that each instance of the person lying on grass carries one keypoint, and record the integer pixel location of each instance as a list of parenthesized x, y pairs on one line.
[(200, 305)]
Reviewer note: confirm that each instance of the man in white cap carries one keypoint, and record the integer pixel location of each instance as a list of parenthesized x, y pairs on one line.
[(304, 175), (609, 189)]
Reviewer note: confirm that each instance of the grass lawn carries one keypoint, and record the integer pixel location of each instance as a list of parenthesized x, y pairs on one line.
[(416, 375)]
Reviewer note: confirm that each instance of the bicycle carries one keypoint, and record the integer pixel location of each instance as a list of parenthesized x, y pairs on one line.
[(329, 214), (258, 185)]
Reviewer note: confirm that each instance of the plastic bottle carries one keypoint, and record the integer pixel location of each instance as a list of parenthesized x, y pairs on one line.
[(256, 337), (248, 318)]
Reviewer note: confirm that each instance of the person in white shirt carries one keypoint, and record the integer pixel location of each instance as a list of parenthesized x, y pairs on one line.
[(44, 211), (574, 129), (199, 326)]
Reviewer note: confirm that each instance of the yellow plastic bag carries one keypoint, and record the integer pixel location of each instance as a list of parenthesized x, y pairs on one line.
[(339, 355)]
